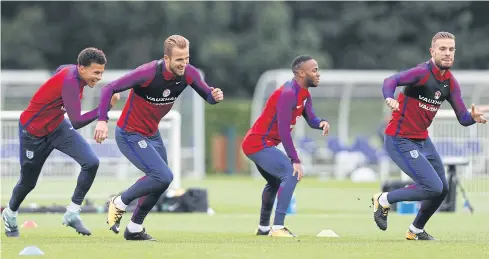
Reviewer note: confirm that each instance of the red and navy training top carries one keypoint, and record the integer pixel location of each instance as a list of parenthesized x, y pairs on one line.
[(59, 94), (425, 89), (153, 92), (278, 118)]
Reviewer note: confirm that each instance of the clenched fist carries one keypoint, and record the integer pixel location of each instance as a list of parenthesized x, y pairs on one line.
[(217, 94), (393, 104)]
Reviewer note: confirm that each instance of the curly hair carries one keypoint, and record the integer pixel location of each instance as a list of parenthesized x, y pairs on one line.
[(91, 55)]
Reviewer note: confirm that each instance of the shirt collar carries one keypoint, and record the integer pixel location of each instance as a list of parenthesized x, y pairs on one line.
[(77, 73), (81, 82), (437, 72), (297, 87), (167, 75)]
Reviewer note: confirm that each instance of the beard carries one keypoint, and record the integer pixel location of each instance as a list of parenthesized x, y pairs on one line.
[(442, 67), (310, 83), (175, 71)]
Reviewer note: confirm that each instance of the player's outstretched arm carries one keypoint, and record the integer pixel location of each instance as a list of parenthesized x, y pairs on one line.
[(139, 76), (285, 104), (407, 77), (310, 116), (70, 93), (464, 117), (210, 94)]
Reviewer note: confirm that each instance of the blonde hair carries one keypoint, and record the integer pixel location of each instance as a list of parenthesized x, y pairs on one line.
[(174, 41), (442, 35)]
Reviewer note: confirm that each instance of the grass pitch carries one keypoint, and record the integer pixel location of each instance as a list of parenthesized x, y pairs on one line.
[(340, 206)]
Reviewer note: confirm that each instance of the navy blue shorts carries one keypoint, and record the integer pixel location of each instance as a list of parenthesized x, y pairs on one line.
[(274, 162), (35, 150), (148, 154), (418, 159)]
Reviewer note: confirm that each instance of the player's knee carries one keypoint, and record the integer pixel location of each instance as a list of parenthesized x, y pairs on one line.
[(286, 172), (164, 176), (92, 164), (444, 191), (435, 190)]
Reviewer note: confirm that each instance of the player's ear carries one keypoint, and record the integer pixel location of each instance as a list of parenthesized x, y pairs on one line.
[(166, 58), (81, 69)]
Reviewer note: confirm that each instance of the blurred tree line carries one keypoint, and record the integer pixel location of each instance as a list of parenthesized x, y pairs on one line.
[(235, 42)]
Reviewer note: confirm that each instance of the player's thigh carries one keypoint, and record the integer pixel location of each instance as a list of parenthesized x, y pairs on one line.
[(274, 162), (435, 160), (33, 152), (141, 153), (271, 179), (409, 157), (157, 143), (69, 141)]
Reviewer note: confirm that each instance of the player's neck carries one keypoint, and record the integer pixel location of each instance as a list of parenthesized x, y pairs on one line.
[(300, 83), (167, 68), (442, 71), (80, 76)]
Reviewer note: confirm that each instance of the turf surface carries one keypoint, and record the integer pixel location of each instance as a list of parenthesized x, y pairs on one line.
[(340, 206)]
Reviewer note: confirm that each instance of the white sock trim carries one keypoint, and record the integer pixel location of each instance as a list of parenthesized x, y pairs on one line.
[(383, 200), (415, 230), (134, 228), (11, 212), (119, 204), (264, 228), (73, 207), (277, 227)]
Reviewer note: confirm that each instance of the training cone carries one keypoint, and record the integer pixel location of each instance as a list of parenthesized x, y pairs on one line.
[(29, 224), (31, 250), (327, 233)]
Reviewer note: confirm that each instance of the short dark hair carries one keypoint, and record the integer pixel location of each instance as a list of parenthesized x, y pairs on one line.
[(91, 55), (298, 61)]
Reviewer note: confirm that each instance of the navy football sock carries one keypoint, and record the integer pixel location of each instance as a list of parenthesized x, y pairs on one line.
[(268, 198), (143, 187), (18, 195), (427, 209), (283, 199), (27, 182), (145, 205), (85, 181)]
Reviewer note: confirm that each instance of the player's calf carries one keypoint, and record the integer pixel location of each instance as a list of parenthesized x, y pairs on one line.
[(381, 209), (10, 222)]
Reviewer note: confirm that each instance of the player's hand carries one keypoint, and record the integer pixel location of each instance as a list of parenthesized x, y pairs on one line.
[(297, 170), (325, 126), (477, 115), (101, 131), (393, 104), (217, 94), (116, 97)]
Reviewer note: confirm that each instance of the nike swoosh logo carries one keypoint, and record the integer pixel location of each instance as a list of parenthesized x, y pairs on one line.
[(177, 83), (299, 106)]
